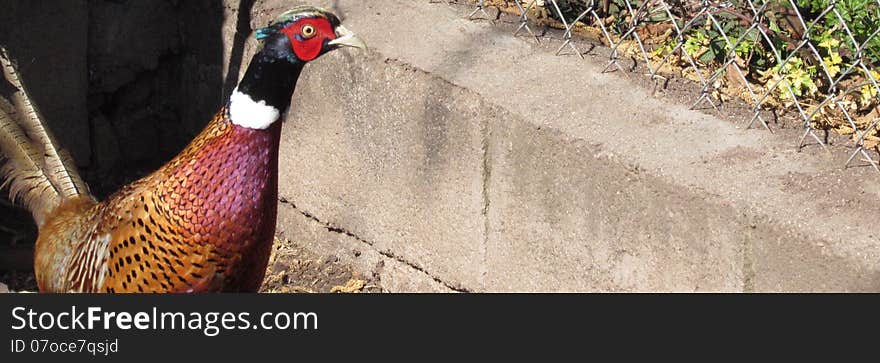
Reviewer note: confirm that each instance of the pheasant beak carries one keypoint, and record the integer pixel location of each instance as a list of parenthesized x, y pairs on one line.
[(345, 38)]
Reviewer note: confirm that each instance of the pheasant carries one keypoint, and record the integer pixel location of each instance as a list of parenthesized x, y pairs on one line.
[(203, 222)]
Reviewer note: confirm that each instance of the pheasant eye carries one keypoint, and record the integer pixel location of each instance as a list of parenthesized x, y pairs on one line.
[(308, 31)]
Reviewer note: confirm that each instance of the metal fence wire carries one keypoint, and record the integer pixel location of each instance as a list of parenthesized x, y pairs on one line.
[(816, 58)]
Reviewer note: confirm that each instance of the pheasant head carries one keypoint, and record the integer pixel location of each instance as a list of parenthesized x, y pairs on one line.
[(304, 33), (295, 38)]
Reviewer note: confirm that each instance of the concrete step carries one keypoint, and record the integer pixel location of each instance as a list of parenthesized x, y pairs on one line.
[(455, 157)]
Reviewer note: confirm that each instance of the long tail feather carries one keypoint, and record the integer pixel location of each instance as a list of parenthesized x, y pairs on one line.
[(22, 171), (40, 175), (60, 170)]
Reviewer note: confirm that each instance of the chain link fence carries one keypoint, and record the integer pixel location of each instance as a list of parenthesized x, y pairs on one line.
[(815, 59)]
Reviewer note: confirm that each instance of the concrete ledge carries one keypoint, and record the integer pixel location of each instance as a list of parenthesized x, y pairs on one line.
[(466, 159)]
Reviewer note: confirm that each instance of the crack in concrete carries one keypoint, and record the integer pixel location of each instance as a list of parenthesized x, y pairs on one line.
[(748, 264), (487, 175), (384, 253)]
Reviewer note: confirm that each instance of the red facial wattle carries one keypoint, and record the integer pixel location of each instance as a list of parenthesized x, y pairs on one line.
[(308, 48)]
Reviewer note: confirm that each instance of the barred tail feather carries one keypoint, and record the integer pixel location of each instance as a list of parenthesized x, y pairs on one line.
[(21, 168), (40, 175)]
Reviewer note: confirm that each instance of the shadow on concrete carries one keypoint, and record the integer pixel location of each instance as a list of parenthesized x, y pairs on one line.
[(242, 32), (434, 135)]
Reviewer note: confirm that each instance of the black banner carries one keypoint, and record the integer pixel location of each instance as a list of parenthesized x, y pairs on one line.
[(332, 326)]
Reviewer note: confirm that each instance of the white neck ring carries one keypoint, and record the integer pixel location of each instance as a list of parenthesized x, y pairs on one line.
[(244, 111)]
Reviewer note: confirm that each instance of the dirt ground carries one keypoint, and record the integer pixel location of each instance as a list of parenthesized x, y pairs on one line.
[(293, 268)]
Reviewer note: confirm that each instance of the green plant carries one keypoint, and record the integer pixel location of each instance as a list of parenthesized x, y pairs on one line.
[(794, 74), (831, 59), (722, 32), (868, 92), (861, 17)]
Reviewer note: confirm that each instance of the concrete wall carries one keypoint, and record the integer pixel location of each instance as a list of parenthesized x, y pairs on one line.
[(453, 156), (477, 197)]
